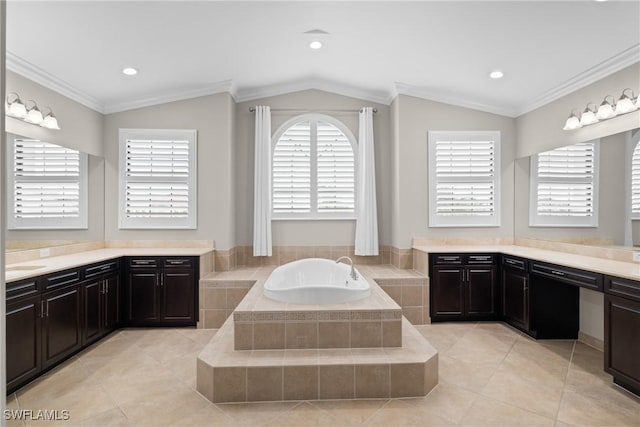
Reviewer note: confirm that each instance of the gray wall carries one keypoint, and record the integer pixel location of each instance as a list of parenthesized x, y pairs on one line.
[(611, 206), (80, 129), (415, 117), (213, 117), (309, 233), (541, 129), (80, 126)]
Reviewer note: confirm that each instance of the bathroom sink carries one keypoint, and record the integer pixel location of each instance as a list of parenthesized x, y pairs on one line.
[(24, 267)]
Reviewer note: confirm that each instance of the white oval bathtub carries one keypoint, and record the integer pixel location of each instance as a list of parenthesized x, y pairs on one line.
[(315, 281)]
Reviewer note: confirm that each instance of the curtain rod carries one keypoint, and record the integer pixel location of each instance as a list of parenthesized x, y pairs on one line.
[(293, 110)]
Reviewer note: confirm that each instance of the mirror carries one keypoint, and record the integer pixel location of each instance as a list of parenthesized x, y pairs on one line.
[(34, 238), (615, 228)]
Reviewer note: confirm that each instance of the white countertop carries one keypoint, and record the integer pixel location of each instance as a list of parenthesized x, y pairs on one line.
[(627, 270), (63, 262)]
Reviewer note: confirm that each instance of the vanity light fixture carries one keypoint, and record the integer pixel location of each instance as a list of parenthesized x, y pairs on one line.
[(573, 122), (627, 103), (50, 121), (29, 112), (34, 115), (607, 109), (588, 116), (16, 107)]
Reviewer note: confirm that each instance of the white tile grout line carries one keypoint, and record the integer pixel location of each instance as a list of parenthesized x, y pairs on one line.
[(564, 387)]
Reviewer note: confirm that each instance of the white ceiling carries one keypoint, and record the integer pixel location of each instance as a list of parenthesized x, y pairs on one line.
[(374, 50)]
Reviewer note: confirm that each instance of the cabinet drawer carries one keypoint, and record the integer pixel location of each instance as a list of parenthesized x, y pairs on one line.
[(572, 276), (62, 278), (143, 263), (513, 262), (22, 288), (622, 287), (178, 263), (446, 259), (480, 259), (101, 268)]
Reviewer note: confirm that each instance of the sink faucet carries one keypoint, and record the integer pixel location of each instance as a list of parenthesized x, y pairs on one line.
[(353, 274)]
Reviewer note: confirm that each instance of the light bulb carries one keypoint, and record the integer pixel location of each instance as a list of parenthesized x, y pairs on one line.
[(624, 105), (588, 118), (605, 111), (315, 45), (573, 122)]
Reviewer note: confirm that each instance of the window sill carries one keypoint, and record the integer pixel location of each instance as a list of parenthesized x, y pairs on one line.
[(315, 219)]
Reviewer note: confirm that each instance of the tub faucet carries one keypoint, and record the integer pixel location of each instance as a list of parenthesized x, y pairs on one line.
[(353, 274)]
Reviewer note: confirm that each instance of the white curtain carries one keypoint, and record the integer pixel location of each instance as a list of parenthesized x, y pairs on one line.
[(367, 214), (262, 184)]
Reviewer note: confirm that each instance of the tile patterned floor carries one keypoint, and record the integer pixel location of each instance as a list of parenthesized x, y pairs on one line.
[(490, 375)]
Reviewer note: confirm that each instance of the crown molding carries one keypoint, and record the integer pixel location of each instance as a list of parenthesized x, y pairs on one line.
[(44, 78), (616, 63), (451, 99), (379, 97), (171, 96)]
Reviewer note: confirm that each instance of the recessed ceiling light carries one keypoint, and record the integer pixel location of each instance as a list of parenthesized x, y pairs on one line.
[(497, 74), (315, 45), (129, 71)]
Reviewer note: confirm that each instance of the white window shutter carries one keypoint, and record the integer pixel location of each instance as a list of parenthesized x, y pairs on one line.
[(564, 187), (313, 171), (635, 183), (157, 178), (48, 186), (464, 179)]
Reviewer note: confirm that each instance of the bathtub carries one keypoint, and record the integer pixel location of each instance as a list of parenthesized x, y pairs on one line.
[(315, 281)]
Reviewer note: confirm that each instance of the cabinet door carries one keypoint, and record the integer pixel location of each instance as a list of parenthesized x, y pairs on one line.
[(621, 340), (92, 301), (23, 325), (111, 305), (481, 292), (61, 329), (515, 297), (447, 292), (142, 296), (178, 296)]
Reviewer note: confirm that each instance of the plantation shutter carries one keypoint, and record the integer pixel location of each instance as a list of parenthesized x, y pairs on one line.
[(564, 187), (292, 170), (313, 172), (49, 182), (465, 172), (635, 183), (464, 178), (336, 170), (157, 179), (565, 181)]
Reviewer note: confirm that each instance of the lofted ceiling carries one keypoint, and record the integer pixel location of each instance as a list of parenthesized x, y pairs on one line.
[(373, 50)]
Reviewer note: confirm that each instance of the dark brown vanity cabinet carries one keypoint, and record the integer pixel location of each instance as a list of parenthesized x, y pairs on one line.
[(101, 300), (161, 290), (463, 286), (43, 324), (515, 292), (622, 331)]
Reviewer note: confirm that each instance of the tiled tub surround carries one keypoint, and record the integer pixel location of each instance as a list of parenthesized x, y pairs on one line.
[(242, 256), (261, 323), (220, 292), (251, 357)]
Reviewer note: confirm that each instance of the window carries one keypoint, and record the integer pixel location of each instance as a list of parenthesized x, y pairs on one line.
[(313, 172), (157, 178), (47, 185), (564, 187), (464, 179), (635, 183)]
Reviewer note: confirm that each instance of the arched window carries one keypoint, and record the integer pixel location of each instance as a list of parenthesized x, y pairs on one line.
[(313, 169)]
